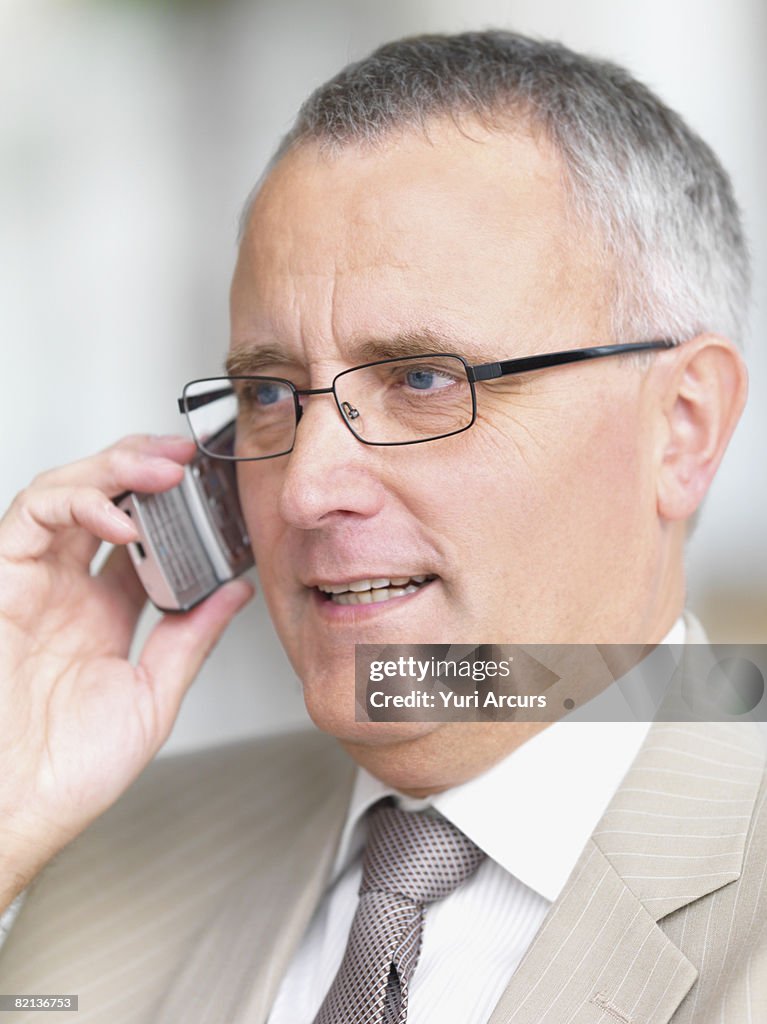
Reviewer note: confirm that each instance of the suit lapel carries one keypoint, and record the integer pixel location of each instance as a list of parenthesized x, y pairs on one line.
[(593, 958), (239, 959), (673, 832)]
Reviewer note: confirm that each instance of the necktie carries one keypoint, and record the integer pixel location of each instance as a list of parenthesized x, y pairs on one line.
[(410, 859)]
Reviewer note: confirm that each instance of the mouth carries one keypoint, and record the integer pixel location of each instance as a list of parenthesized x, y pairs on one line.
[(373, 591)]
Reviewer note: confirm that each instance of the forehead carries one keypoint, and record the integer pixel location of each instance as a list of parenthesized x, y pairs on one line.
[(461, 234)]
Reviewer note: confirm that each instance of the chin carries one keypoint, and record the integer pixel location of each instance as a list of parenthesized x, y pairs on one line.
[(334, 714)]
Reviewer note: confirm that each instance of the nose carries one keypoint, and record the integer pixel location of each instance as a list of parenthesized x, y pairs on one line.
[(329, 474)]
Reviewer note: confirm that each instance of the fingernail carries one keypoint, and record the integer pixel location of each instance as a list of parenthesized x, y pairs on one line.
[(247, 590), (120, 517)]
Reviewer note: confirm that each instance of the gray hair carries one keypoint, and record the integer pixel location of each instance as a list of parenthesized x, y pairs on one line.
[(654, 192)]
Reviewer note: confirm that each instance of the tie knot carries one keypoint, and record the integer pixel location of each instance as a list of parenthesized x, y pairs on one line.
[(416, 855)]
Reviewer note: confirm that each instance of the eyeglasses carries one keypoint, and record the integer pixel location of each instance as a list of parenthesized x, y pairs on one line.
[(405, 400)]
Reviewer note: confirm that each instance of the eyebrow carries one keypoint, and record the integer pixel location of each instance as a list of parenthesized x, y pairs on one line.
[(247, 359), (416, 342)]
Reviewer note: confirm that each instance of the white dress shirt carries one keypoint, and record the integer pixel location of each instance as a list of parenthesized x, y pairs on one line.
[(532, 813)]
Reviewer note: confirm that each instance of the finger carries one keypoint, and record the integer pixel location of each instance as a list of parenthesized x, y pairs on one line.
[(179, 644), (139, 463), (37, 516), (136, 463), (170, 446)]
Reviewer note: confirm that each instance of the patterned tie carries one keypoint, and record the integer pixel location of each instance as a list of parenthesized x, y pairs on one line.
[(409, 861)]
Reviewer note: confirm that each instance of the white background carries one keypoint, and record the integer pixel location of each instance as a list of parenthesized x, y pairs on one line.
[(130, 133)]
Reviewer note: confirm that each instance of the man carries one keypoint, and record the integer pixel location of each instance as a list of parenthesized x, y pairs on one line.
[(450, 202)]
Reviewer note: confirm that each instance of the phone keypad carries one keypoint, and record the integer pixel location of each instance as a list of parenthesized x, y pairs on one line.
[(179, 550)]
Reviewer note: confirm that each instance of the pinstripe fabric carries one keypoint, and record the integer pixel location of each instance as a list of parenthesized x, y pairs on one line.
[(660, 846), (181, 904), (197, 862)]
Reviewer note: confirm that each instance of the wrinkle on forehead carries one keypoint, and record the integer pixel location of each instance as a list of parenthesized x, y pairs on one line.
[(477, 231), (429, 338)]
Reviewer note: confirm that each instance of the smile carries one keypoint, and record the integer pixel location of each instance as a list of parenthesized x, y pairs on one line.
[(373, 591)]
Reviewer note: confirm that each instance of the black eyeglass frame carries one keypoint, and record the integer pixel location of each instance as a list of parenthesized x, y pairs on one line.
[(476, 373)]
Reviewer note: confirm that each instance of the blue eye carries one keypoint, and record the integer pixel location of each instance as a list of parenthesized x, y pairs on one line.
[(269, 393), (423, 379)]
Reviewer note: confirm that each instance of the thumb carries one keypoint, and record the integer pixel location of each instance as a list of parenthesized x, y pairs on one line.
[(178, 645)]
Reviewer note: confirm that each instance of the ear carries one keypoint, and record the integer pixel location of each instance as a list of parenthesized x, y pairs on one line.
[(704, 397)]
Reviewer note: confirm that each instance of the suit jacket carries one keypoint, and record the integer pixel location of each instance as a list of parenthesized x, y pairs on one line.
[(187, 899)]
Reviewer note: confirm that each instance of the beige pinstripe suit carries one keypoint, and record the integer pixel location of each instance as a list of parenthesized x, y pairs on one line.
[(185, 901)]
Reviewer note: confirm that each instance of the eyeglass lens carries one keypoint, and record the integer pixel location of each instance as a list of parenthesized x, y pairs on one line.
[(390, 402)]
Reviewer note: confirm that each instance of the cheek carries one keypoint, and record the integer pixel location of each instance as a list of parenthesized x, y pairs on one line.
[(612, 464), (600, 494), (259, 492), (557, 480)]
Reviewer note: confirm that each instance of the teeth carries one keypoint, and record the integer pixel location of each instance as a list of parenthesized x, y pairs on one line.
[(363, 586), (373, 595), (360, 585)]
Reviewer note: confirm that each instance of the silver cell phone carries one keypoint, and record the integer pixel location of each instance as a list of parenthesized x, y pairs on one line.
[(192, 538)]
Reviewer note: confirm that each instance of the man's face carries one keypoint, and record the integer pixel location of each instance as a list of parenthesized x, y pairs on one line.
[(536, 525)]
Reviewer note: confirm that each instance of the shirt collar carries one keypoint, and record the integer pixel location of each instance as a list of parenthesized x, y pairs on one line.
[(534, 810)]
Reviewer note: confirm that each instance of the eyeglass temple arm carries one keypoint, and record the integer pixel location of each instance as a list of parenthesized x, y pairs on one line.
[(483, 371), (491, 371), (189, 402)]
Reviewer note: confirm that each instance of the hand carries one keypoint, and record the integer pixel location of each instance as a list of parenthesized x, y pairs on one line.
[(80, 721)]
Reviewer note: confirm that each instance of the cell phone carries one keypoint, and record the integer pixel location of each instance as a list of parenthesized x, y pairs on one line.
[(192, 538)]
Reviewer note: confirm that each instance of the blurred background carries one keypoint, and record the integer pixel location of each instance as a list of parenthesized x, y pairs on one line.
[(130, 135)]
